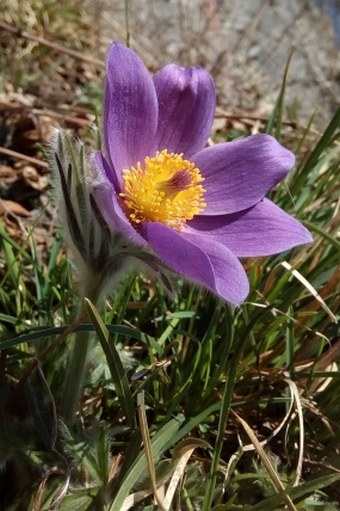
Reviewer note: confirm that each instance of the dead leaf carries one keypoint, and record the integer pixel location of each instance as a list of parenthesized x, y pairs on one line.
[(9, 206)]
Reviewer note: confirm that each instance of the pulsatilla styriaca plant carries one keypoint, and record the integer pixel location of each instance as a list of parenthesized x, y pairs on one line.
[(158, 196)]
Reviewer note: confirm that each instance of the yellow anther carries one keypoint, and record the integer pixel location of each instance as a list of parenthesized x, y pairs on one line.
[(165, 189)]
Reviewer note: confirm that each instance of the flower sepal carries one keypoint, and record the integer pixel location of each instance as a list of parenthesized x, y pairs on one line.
[(100, 254)]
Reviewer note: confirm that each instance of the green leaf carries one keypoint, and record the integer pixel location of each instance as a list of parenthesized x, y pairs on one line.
[(297, 493), (115, 365), (158, 444)]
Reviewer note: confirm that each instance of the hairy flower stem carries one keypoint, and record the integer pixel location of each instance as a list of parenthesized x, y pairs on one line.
[(76, 366)]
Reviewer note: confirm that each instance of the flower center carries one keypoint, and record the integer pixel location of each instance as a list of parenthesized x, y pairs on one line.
[(167, 189)]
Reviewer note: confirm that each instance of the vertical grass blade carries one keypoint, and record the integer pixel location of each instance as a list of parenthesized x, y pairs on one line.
[(115, 365)]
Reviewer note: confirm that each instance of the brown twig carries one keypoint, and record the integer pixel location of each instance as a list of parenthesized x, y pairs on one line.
[(70, 119), (20, 156), (41, 40), (223, 114), (67, 118)]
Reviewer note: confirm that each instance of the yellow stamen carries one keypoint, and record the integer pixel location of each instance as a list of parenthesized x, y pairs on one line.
[(166, 189)]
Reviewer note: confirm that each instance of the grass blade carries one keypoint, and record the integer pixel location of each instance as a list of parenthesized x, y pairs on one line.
[(116, 367), (158, 444)]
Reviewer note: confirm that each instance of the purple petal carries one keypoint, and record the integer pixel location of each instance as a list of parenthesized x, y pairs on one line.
[(200, 259), (130, 111), (262, 230), (239, 174), (109, 203), (106, 169), (116, 218), (187, 102)]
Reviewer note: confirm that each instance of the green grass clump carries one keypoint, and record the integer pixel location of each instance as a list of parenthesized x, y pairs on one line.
[(185, 400)]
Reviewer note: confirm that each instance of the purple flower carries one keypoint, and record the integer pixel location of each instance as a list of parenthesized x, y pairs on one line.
[(196, 209)]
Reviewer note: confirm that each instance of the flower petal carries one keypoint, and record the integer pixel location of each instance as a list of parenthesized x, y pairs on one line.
[(130, 110), (106, 169), (200, 259), (187, 102), (262, 230), (106, 196), (238, 174)]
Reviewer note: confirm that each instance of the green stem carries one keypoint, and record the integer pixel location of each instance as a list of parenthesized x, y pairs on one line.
[(75, 376), (76, 367)]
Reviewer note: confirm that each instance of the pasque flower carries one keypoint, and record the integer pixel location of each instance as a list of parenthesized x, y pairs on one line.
[(193, 208)]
